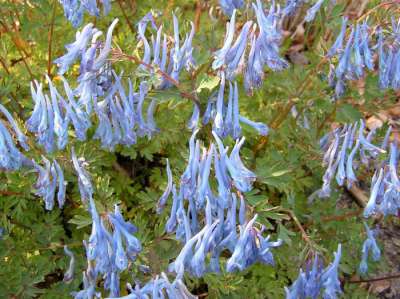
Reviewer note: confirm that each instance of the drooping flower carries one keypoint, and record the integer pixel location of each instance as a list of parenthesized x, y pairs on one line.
[(369, 245), (69, 275), (50, 179), (385, 187), (312, 11), (170, 61), (10, 156), (345, 149), (316, 281), (84, 180), (352, 59), (225, 117), (228, 6), (216, 209), (264, 48), (22, 139), (109, 250), (159, 287), (75, 9)]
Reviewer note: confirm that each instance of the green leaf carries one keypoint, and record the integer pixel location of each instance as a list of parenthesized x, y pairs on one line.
[(208, 82), (347, 113)]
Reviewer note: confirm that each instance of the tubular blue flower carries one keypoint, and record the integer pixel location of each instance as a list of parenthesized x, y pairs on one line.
[(75, 49), (46, 183), (234, 59), (341, 173), (369, 245), (205, 173), (183, 259), (350, 175), (218, 120), (236, 130), (228, 6), (246, 251), (109, 251), (365, 50), (338, 44), (163, 199), (330, 278), (22, 139), (310, 283), (74, 9), (143, 89), (151, 124), (254, 72), (62, 184), (84, 181), (312, 11), (69, 275), (228, 121), (269, 38), (365, 143), (242, 177), (296, 290), (79, 118), (89, 289), (104, 130), (194, 119), (10, 157), (291, 7), (261, 128), (60, 122), (220, 55)]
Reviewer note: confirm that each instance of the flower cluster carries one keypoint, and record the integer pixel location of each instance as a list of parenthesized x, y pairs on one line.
[(369, 245), (11, 157), (159, 287), (385, 187), (228, 6), (108, 251), (389, 58), (74, 9), (52, 115), (219, 231), (119, 113), (94, 79), (263, 48), (310, 283), (156, 57), (225, 117), (50, 179), (353, 58), (341, 147)]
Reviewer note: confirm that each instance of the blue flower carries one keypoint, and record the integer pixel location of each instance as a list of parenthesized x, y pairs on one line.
[(84, 181), (74, 9), (338, 44), (330, 278), (312, 11), (22, 139), (369, 245), (163, 199), (310, 283), (69, 275), (75, 49), (228, 6), (10, 157)]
